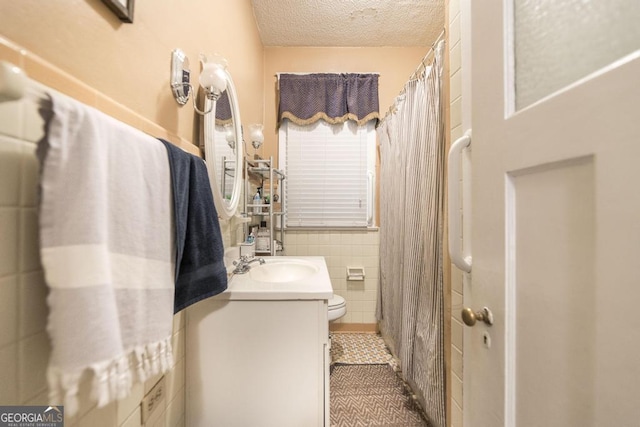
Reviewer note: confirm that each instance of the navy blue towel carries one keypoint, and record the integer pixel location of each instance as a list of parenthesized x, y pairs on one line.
[(200, 270)]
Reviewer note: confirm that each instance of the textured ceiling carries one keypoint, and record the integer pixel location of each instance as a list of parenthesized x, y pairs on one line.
[(349, 22)]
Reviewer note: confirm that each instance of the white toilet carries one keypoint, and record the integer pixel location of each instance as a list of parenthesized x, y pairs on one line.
[(337, 307)]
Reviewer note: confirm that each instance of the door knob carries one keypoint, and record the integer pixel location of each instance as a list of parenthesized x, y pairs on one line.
[(470, 317)]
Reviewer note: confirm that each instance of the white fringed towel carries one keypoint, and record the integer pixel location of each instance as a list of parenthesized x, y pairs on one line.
[(106, 243)]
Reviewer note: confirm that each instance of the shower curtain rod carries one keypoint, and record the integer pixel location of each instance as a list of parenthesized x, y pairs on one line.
[(421, 66), (423, 63), (324, 72)]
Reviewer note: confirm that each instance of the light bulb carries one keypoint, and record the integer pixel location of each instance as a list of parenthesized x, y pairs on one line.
[(213, 78), (255, 132), (231, 138)]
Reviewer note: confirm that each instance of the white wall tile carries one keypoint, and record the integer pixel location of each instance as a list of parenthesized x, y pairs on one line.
[(335, 239), (455, 58), (134, 420), (456, 362), (178, 321), (8, 313), (33, 125), (456, 132), (302, 239), (455, 85), (314, 250), (149, 383), (369, 317), (456, 306), (346, 239), (454, 30), (176, 409), (29, 240), (371, 262), (324, 238), (10, 159), (456, 333), (41, 399), (30, 169), (302, 250), (345, 252), (456, 112), (33, 304), (100, 417), (456, 415), (9, 247), (456, 389), (178, 346), (456, 279), (342, 249), (85, 402), (11, 118), (368, 306), (158, 417), (9, 375), (357, 317), (175, 380), (33, 354), (127, 406), (454, 9)]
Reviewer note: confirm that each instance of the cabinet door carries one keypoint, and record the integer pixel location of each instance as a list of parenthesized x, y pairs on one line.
[(257, 363)]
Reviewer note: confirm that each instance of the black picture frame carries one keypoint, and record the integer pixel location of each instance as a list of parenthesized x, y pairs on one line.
[(124, 13)]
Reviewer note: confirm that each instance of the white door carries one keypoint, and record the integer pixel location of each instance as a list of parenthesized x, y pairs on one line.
[(556, 214)]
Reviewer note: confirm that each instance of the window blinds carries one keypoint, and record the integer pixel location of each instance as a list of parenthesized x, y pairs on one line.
[(328, 174)]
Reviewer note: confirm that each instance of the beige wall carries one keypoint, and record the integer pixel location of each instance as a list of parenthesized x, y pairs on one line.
[(79, 48), (130, 62)]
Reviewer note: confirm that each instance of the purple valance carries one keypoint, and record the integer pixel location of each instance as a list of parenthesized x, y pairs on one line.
[(334, 98), (223, 110)]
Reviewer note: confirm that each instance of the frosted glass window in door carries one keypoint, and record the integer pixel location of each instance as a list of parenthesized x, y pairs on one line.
[(558, 42)]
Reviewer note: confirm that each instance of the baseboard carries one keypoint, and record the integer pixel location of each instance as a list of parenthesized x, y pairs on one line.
[(354, 327)]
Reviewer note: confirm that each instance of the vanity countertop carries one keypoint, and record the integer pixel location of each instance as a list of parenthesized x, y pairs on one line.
[(247, 286)]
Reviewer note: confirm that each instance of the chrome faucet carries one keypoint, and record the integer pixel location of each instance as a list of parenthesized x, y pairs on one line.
[(244, 264)]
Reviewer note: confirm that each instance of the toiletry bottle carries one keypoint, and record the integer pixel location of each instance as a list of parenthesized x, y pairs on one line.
[(263, 239), (257, 200)]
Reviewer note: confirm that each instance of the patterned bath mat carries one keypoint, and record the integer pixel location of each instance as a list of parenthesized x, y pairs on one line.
[(359, 348), (371, 395)]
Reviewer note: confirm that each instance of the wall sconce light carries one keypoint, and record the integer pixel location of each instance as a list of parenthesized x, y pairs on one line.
[(230, 136), (256, 135), (213, 78)]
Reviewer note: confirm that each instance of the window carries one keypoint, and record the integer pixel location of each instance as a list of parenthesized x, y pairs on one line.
[(330, 173)]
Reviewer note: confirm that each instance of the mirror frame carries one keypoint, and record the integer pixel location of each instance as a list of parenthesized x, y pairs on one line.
[(226, 209)]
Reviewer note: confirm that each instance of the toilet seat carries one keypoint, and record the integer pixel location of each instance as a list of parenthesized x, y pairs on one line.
[(337, 307)]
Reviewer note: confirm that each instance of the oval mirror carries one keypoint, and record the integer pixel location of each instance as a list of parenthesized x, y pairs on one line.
[(222, 134)]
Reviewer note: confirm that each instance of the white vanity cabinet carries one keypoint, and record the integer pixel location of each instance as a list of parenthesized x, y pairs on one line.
[(258, 355)]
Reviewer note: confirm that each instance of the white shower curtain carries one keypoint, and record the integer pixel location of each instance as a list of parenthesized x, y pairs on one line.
[(410, 301)]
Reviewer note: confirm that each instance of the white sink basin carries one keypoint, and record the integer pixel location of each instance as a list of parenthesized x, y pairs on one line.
[(281, 278), (280, 271)]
